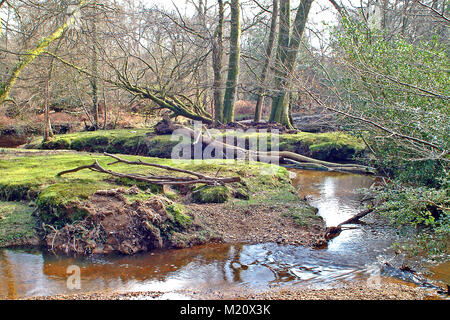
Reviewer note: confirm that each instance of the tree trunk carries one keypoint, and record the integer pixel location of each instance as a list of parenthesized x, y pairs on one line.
[(94, 70), (48, 133), (287, 60), (270, 156), (280, 72), (105, 110), (267, 62), (217, 54), (233, 65)]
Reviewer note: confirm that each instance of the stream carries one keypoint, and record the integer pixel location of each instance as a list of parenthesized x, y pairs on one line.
[(355, 255)]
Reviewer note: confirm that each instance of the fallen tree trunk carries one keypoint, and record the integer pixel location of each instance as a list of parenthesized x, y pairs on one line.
[(356, 217), (271, 156), (332, 232), (154, 179)]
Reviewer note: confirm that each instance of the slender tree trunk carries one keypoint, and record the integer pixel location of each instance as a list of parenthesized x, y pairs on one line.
[(217, 55), (217, 49), (205, 86), (94, 66), (267, 62), (404, 18), (48, 132), (287, 60), (47, 128), (105, 110), (233, 65)]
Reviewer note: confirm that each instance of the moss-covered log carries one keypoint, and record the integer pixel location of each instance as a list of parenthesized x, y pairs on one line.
[(275, 156)]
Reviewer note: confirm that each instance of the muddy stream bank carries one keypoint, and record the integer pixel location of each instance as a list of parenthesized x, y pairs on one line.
[(355, 256)]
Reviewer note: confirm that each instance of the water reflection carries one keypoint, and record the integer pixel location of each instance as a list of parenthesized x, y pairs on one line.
[(255, 266), (334, 194)]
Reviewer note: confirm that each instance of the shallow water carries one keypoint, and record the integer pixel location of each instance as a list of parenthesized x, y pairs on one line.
[(355, 255)]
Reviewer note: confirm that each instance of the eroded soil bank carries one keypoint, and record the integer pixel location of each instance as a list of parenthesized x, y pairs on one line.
[(90, 213)]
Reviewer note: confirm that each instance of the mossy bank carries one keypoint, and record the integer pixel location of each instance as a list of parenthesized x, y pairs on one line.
[(330, 146), (78, 211)]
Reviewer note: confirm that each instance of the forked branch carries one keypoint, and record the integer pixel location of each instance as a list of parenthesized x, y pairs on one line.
[(193, 178)]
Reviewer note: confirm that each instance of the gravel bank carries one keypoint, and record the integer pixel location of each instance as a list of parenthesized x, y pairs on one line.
[(258, 224), (386, 291)]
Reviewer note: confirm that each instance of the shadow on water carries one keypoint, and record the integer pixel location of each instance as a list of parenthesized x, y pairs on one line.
[(353, 256)]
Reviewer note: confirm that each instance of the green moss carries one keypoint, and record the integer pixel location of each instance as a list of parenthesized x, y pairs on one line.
[(17, 224), (178, 216), (151, 187), (210, 194), (57, 144), (91, 144), (31, 175), (141, 196), (324, 146), (241, 192), (161, 146), (59, 203), (303, 216), (115, 141)]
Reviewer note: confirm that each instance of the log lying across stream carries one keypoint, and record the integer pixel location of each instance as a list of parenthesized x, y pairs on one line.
[(333, 232)]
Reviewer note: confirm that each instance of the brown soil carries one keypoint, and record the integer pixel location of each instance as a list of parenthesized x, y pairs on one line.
[(114, 225), (256, 224), (12, 141)]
